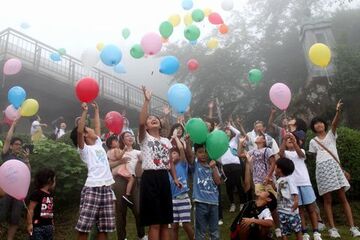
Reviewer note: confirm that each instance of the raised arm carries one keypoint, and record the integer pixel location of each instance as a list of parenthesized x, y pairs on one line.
[(283, 146), (336, 119), (9, 136), (97, 125), (211, 109), (247, 177), (144, 113), (180, 147), (298, 150), (271, 119), (241, 127), (165, 121), (190, 156), (241, 149), (81, 126), (269, 176)]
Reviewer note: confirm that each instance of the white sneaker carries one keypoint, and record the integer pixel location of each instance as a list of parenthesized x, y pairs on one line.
[(241, 206), (333, 232), (278, 233), (321, 226), (232, 207), (144, 238), (220, 222), (317, 236), (306, 236), (355, 231)]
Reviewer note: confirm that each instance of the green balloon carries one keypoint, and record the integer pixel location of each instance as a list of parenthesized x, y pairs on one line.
[(217, 143), (136, 51), (61, 51), (192, 32), (166, 29), (125, 33), (255, 76), (197, 15), (197, 130)]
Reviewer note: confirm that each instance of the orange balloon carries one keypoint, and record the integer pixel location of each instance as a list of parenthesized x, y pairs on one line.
[(223, 29)]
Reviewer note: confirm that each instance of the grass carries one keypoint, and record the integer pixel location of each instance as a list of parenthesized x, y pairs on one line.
[(66, 220)]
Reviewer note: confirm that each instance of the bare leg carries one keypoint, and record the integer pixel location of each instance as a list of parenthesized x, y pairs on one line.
[(154, 232), (175, 231), (275, 216), (189, 230), (102, 236), (284, 237), (11, 232), (164, 232), (312, 215), (302, 216), (82, 236), (328, 209), (346, 207), (299, 236), (130, 185)]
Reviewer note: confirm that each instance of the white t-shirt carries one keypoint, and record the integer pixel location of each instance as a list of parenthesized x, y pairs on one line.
[(155, 153), (229, 158), (95, 157), (265, 214), (300, 175), (133, 157), (269, 142), (35, 125), (285, 189), (59, 132), (329, 142)]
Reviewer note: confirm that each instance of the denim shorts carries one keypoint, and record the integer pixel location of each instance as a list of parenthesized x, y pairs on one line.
[(306, 195)]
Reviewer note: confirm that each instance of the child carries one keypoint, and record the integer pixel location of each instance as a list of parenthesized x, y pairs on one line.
[(205, 194), (180, 197), (41, 208), (288, 200), (97, 202), (329, 174), (156, 209), (301, 179)]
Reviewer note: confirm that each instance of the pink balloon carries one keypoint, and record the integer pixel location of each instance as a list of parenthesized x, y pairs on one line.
[(12, 66), (215, 18), (151, 43), (7, 121), (11, 113), (280, 95), (192, 64), (15, 178)]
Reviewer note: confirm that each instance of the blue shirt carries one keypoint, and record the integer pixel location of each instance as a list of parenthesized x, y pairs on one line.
[(204, 188), (182, 175)]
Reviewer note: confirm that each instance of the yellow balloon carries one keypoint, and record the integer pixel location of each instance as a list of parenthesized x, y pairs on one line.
[(212, 43), (320, 54), (207, 12), (174, 20), (100, 46), (188, 19), (29, 108)]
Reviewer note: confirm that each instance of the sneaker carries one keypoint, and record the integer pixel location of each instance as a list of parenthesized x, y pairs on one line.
[(220, 222), (355, 231), (278, 233), (144, 238), (306, 236), (180, 224), (321, 226), (232, 207), (241, 206), (317, 236), (333, 232), (128, 201)]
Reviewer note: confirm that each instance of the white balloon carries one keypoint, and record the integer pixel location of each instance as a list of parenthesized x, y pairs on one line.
[(90, 57), (227, 5)]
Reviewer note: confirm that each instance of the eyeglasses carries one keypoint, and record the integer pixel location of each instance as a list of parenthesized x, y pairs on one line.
[(16, 143)]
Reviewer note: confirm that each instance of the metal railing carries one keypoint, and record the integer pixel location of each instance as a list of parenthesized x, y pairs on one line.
[(35, 56)]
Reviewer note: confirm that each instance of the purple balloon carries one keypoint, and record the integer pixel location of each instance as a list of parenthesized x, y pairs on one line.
[(280, 95), (151, 43), (12, 66)]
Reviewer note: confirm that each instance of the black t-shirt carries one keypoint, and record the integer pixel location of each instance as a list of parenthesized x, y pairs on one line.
[(9, 156), (44, 210)]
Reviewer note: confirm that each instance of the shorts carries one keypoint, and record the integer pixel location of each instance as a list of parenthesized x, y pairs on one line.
[(43, 232), (306, 195), (11, 209), (182, 209), (96, 207), (289, 223)]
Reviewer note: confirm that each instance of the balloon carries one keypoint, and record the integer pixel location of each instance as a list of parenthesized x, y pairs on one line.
[(111, 55), (55, 57), (197, 130), (151, 43), (100, 46), (90, 57), (166, 29), (217, 143), (114, 122), (187, 4), (212, 43), (125, 33), (7, 121), (280, 95), (192, 64), (188, 19), (169, 65), (192, 32), (197, 15), (12, 66), (215, 18), (15, 178), (136, 51), (227, 5), (120, 68), (174, 20), (193, 42), (87, 89), (179, 97), (255, 76), (29, 107), (320, 54), (207, 12), (11, 113), (223, 29), (61, 51), (16, 96)]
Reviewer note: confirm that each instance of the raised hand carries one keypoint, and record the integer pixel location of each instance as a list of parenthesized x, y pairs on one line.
[(95, 105), (84, 106), (166, 110), (273, 110), (211, 104), (339, 105), (147, 93)]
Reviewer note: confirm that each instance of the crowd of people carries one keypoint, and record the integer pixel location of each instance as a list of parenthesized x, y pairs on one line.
[(151, 173)]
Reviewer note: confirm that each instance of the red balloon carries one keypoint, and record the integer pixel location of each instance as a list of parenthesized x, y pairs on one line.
[(114, 122), (87, 89), (192, 64), (215, 18)]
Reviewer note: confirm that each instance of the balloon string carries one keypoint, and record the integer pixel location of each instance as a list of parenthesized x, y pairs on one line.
[(25, 206), (327, 76)]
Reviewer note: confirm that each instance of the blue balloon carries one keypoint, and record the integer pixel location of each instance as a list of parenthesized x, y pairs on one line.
[(187, 4), (193, 42), (16, 96), (120, 68), (179, 97), (55, 57), (111, 55), (169, 65)]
